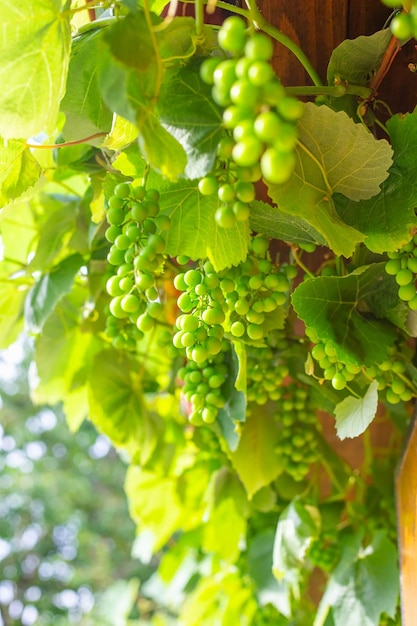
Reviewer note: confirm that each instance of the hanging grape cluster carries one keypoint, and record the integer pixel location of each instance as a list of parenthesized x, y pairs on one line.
[(137, 257), (403, 265), (259, 115)]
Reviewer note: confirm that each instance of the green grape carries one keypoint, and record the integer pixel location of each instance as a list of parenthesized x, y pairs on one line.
[(232, 35), (401, 26), (259, 47), (277, 167)]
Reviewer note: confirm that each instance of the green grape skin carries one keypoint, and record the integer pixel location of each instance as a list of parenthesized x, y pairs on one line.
[(260, 73), (247, 152), (259, 47), (407, 292), (277, 167), (232, 35), (404, 277), (338, 381), (290, 108), (207, 69), (393, 266), (225, 217), (267, 126), (208, 186), (401, 26)]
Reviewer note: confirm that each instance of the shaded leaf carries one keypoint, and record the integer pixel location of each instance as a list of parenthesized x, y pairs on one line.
[(389, 218), (356, 60), (363, 585), (339, 309), (85, 111), (35, 41), (353, 415), (188, 112), (271, 221), (48, 291), (255, 459)]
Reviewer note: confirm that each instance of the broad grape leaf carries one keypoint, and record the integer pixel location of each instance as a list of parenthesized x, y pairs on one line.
[(271, 221), (363, 585), (353, 415), (297, 527), (122, 134), (19, 170), (339, 309), (333, 155), (388, 219), (35, 40), (48, 291), (117, 406), (12, 297), (154, 504), (355, 60), (256, 460), (188, 112), (85, 111), (195, 232), (131, 91)]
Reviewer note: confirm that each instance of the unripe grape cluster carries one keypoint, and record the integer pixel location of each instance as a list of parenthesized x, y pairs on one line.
[(298, 445), (254, 292), (137, 257), (324, 552), (259, 114), (203, 383), (266, 370), (333, 370), (402, 265)]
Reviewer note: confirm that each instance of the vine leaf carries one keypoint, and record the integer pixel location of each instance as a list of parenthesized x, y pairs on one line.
[(116, 403), (387, 219), (131, 91), (188, 112), (339, 309), (85, 111), (334, 155), (19, 170), (258, 441), (47, 292), (353, 415), (355, 60), (194, 231), (273, 222), (35, 40), (297, 527), (364, 584)]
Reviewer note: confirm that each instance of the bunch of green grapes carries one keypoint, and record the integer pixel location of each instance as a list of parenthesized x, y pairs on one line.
[(203, 387), (324, 552), (404, 23), (266, 370), (298, 445), (338, 373), (232, 186), (392, 378), (403, 265), (199, 330), (254, 291), (260, 116), (137, 258)]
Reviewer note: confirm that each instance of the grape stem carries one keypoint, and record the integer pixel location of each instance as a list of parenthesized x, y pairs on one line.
[(262, 24), (297, 259), (332, 90)]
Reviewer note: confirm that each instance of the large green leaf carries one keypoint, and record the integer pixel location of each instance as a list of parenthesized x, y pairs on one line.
[(338, 308), (195, 232), (255, 459), (334, 155), (353, 415), (363, 585), (129, 84), (187, 110), (117, 406), (271, 221), (85, 111), (48, 291), (297, 527), (35, 41), (388, 218), (19, 170), (355, 60)]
